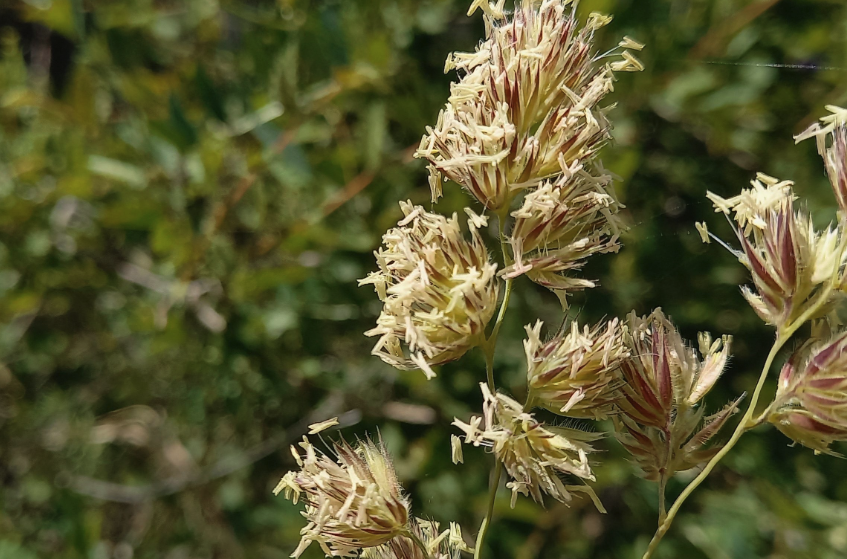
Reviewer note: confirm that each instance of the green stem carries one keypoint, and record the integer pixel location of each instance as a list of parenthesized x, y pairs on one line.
[(489, 348), (491, 343), (492, 494)]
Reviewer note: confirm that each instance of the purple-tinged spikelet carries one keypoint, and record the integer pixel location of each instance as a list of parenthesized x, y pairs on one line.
[(788, 259), (576, 374), (811, 402), (661, 424)]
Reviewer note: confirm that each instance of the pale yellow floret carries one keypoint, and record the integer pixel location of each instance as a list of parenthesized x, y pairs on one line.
[(316, 428)]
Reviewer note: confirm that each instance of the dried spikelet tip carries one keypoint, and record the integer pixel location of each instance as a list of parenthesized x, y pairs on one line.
[(576, 374), (534, 454), (439, 290), (811, 401), (352, 503), (316, 428)]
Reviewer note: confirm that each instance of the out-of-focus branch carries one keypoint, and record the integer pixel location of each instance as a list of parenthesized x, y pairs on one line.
[(115, 492)]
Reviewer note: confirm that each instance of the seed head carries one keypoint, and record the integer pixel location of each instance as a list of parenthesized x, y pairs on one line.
[(576, 373), (440, 545), (562, 223), (525, 108), (835, 154), (439, 290), (786, 256), (352, 503), (665, 380), (533, 454), (811, 401)]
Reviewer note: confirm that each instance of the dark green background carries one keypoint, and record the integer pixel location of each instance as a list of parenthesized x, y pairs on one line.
[(189, 191)]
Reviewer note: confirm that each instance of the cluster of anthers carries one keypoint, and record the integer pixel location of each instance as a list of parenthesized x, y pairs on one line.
[(439, 290), (535, 455)]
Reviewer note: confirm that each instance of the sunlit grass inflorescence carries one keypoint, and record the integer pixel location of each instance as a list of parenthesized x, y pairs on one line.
[(352, 502), (439, 290), (577, 372), (534, 455)]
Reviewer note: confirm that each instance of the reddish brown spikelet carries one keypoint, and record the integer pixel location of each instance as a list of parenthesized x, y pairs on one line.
[(661, 424), (811, 402)]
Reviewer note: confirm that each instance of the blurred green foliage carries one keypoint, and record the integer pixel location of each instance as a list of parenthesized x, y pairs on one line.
[(190, 189)]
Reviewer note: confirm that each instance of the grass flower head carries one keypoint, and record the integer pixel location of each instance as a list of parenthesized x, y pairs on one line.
[(439, 290), (352, 503), (576, 373)]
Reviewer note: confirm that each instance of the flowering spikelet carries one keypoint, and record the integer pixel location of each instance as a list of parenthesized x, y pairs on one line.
[(835, 154), (533, 454), (525, 107), (439, 290), (576, 374), (811, 401), (440, 545), (665, 379), (562, 223), (787, 258), (353, 503)]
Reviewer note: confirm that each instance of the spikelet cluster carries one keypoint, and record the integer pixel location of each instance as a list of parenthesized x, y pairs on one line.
[(447, 544), (811, 401), (352, 502), (534, 455), (439, 290), (661, 425), (833, 151), (576, 373), (787, 258), (560, 224), (525, 117), (526, 104)]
